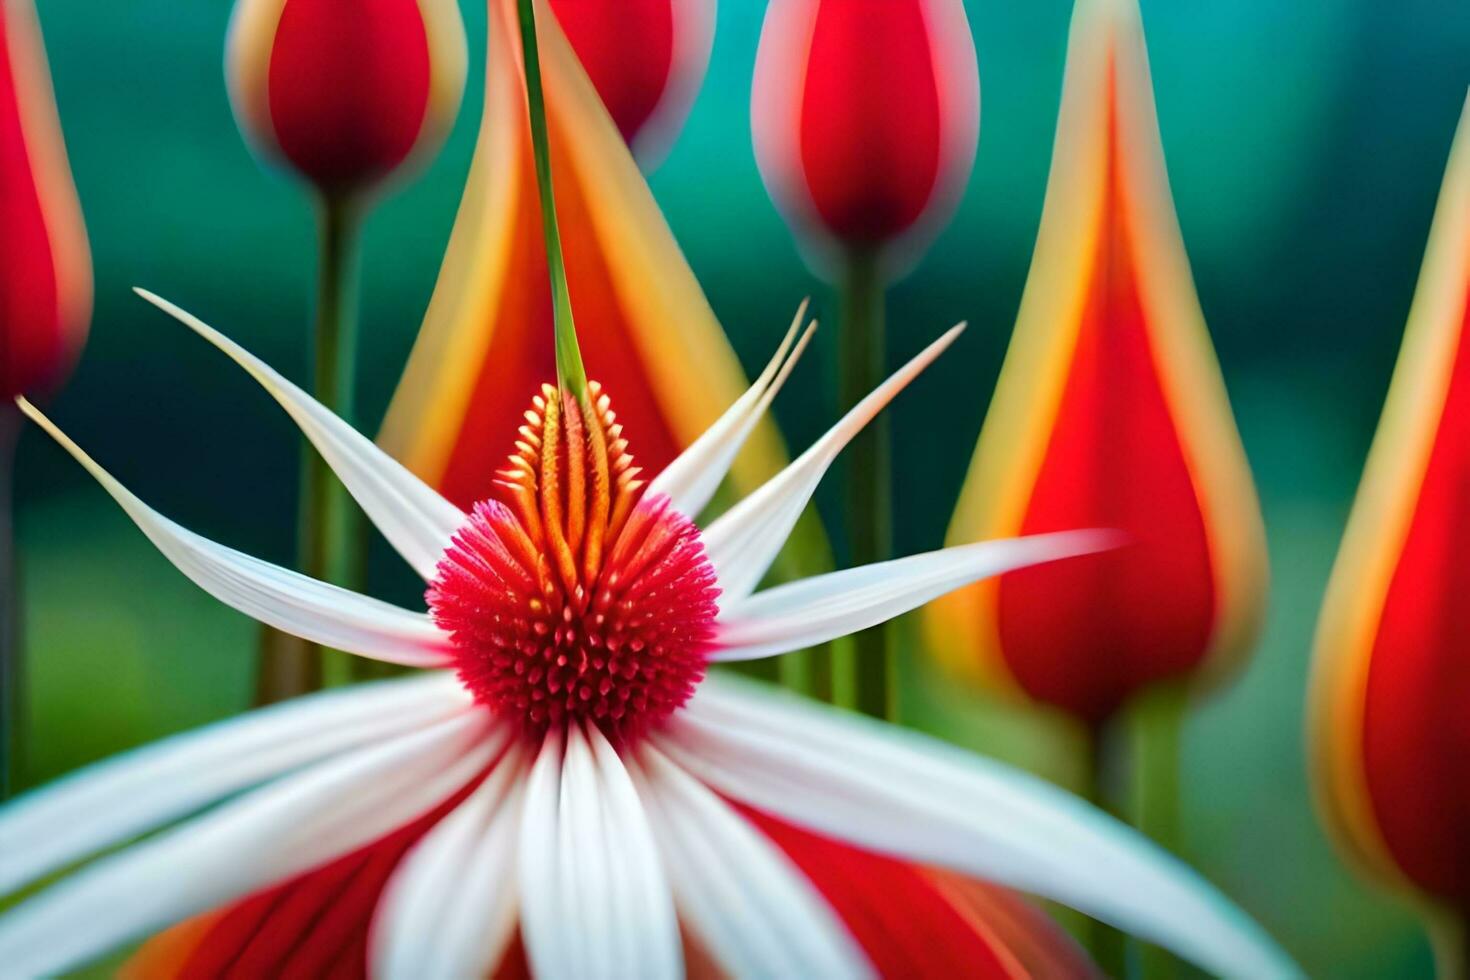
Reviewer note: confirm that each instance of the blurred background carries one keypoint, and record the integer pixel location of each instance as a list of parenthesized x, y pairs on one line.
[(1305, 142)]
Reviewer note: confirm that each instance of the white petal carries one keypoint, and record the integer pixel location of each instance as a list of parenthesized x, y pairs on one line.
[(450, 908), (269, 835), (824, 607), (287, 600), (644, 908), (139, 791), (898, 792), (743, 541), (594, 900), (694, 476), (753, 908), (415, 519)]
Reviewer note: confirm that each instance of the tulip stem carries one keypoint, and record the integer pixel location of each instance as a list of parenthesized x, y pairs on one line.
[(1449, 935), (330, 526), (1107, 945), (1153, 723), (862, 673), (12, 668), (570, 374)]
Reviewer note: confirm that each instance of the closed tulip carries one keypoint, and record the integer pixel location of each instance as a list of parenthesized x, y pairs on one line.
[(646, 58), (1391, 680), (345, 93), (46, 278), (865, 115), (1110, 412)]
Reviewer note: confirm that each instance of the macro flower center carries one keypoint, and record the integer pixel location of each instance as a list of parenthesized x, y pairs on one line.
[(570, 595)]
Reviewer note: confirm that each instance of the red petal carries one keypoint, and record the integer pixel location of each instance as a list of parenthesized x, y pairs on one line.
[(870, 117), (907, 927), (1086, 634), (348, 87)]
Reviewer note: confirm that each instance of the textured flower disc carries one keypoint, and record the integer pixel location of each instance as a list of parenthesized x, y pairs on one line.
[(571, 595)]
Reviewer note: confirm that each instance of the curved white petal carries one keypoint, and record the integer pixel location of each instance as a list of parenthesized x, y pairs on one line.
[(594, 902), (743, 541), (287, 600), (449, 910), (415, 519), (644, 909), (285, 828), (901, 793), (695, 474), (824, 607), (141, 790), (752, 907)]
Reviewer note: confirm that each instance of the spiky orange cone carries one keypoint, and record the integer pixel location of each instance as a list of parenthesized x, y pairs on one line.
[(1391, 679), (1109, 412)]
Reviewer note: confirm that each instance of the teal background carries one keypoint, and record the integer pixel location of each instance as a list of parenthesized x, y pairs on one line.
[(1305, 141)]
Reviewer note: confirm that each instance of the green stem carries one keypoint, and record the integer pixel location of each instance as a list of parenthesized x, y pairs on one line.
[(329, 536), (1449, 934), (12, 667), (1153, 723), (1107, 945), (861, 678), (570, 374)]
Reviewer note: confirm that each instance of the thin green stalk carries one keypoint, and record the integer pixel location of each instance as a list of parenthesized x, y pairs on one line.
[(1449, 934), (1153, 722), (12, 667), (329, 529), (1107, 945), (862, 674), (570, 374)]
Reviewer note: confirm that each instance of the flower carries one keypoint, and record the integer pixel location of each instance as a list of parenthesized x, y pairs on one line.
[(345, 101), (562, 787), (1389, 681), (46, 278), (865, 115), (1109, 412), (485, 340), (646, 58)]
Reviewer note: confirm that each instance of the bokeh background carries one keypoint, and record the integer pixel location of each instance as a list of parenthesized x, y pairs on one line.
[(1305, 141)]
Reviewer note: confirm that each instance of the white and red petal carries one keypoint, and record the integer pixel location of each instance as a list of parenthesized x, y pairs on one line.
[(824, 607), (745, 900), (743, 541), (690, 481), (415, 519), (451, 907), (274, 833), (139, 791), (291, 602), (594, 900), (899, 793)]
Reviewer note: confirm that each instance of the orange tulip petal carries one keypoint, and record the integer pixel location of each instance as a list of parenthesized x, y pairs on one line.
[(646, 330), (1389, 728), (1110, 412)]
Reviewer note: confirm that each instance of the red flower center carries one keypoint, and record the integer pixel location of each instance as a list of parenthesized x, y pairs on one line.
[(569, 594)]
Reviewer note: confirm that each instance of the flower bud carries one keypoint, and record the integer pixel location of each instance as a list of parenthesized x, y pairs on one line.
[(345, 94), (487, 336), (865, 115), (46, 278), (646, 58), (1390, 680), (1110, 412)]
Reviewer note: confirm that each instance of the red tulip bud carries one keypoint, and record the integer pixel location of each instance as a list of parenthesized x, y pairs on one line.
[(345, 93), (46, 277), (865, 115), (646, 58)]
